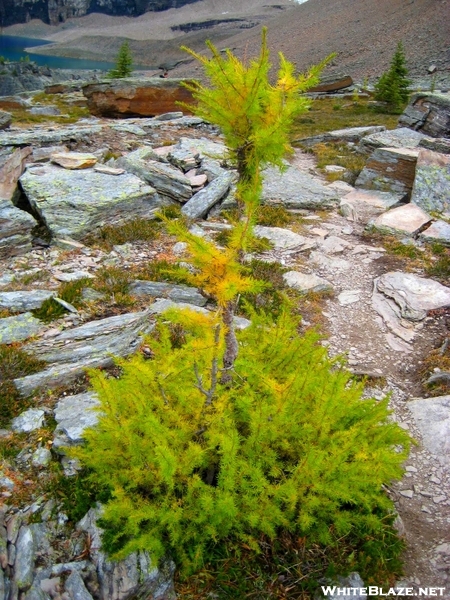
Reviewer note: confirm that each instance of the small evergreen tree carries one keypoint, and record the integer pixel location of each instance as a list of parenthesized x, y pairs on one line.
[(392, 87), (124, 63), (203, 442)]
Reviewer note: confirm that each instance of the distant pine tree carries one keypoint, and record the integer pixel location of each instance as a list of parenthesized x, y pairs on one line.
[(393, 86), (124, 63)]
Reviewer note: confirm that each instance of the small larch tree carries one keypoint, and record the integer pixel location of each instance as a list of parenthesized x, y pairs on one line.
[(393, 86), (236, 435), (124, 63)]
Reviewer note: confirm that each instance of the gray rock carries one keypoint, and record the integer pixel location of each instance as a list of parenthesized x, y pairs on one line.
[(201, 202), (93, 344), (393, 138), (2, 586), (73, 415), (5, 119), (169, 116), (44, 154), (41, 457), (408, 219), (350, 134), (329, 263), (201, 147), (165, 179), (130, 577), (402, 299), (24, 563), (76, 588), (349, 297), (6, 482), (432, 418), (177, 293), (18, 328), (30, 420), (44, 136), (74, 203), (211, 168), (284, 239), (60, 568), (295, 189), (15, 224), (129, 128), (306, 282), (429, 113), (390, 170), (333, 244), (436, 144), (432, 182), (24, 301), (439, 231)]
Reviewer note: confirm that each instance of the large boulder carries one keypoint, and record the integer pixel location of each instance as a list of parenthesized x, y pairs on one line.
[(390, 170), (332, 83), (428, 113), (74, 203), (135, 97), (432, 182)]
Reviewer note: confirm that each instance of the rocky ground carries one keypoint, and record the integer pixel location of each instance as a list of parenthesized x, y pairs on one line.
[(379, 308)]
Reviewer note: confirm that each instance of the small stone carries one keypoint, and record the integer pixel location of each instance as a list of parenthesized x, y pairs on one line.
[(74, 276), (407, 493), (411, 469), (306, 283), (73, 160), (70, 307), (349, 297), (425, 509), (408, 219), (108, 170), (438, 499), (41, 457)]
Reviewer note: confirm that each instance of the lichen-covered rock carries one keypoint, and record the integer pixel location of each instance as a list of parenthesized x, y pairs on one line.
[(30, 420), (74, 203), (294, 189), (350, 134), (90, 345), (24, 300), (24, 563), (431, 189), (135, 97), (390, 170), (43, 135), (18, 328), (402, 137), (15, 230)]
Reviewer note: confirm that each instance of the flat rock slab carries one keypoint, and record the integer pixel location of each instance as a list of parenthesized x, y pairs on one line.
[(432, 183), (19, 328), (176, 293), (135, 97), (74, 203), (414, 295), (329, 263), (333, 244), (202, 202), (43, 136), (73, 415), (166, 179), (439, 231), (349, 297), (23, 301), (432, 417), (29, 420), (74, 160), (402, 137), (284, 239), (390, 170), (307, 282), (93, 344), (201, 148), (408, 219), (364, 205), (403, 299), (295, 189), (349, 134)]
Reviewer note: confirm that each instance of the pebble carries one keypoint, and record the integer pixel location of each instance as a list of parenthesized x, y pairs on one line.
[(407, 493)]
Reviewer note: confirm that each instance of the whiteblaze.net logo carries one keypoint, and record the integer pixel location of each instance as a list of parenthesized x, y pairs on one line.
[(373, 590)]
